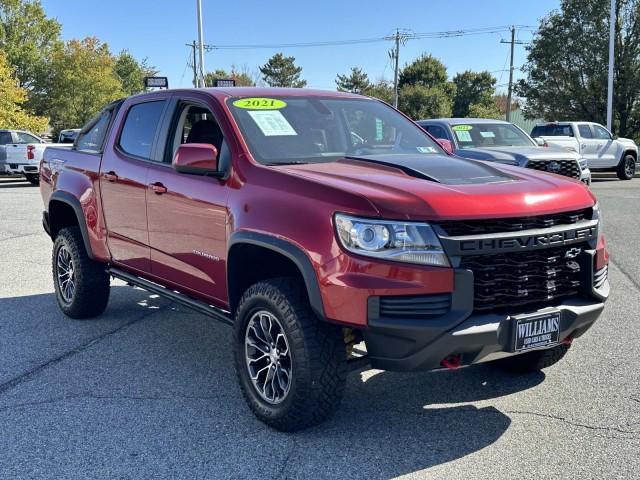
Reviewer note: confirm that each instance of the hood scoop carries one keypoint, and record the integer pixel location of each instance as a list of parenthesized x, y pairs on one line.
[(440, 169)]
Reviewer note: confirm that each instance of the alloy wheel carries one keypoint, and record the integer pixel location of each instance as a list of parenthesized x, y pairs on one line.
[(268, 357), (66, 274), (630, 167)]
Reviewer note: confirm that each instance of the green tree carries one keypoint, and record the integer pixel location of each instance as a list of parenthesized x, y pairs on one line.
[(281, 71), (82, 81), (419, 102), (356, 82), (242, 78), (566, 68), (474, 88), (426, 71), (482, 110), (27, 37), (131, 72), (382, 90), (12, 99)]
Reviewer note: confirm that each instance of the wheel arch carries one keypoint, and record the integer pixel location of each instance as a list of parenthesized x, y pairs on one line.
[(273, 253), (65, 210)]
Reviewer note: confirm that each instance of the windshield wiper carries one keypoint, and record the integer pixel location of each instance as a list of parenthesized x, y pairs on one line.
[(293, 162)]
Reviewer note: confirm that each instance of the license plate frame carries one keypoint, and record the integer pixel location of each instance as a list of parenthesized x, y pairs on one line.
[(535, 331)]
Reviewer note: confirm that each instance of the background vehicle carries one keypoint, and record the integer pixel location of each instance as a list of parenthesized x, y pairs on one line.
[(603, 151), (312, 221), (68, 136), (503, 142), (22, 153)]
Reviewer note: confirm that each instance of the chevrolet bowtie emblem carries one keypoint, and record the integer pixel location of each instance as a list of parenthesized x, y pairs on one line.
[(572, 252)]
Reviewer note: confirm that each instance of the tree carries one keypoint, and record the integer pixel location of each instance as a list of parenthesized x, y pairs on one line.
[(281, 71), (356, 82), (419, 102), (27, 37), (131, 72), (566, 68), (242, 78), (382, 90), (501, 101), (426, 71), (474, 88), (490, 110), (12, 99), (82, 81)]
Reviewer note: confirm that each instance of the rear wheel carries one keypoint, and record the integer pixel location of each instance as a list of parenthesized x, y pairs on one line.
[(626, 168), (33, 178), (81, 285), (291, 366), (532, 361)]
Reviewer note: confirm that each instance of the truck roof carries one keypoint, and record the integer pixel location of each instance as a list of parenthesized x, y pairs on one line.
[(452, 121), (224, 92)]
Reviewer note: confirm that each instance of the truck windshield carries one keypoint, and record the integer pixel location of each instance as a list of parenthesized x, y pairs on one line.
[(485, 135), (285, 130), (553, 130)]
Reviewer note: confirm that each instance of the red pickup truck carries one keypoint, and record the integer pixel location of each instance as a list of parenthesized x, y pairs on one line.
[(329, 231)]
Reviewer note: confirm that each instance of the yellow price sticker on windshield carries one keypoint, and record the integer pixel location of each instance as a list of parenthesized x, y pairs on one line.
[(461, 128), (260, 103)]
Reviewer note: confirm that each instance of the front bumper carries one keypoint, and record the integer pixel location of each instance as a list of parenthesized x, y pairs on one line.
[(585, 176), (409, 344)]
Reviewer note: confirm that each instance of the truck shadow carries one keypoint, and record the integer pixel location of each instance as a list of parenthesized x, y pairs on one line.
[(156, 368)]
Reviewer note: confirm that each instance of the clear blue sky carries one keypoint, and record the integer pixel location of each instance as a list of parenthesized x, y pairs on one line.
[(159, 30)]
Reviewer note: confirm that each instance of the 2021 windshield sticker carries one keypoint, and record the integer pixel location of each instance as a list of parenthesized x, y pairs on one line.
[(272, 123), (461, 128), (256, 103)]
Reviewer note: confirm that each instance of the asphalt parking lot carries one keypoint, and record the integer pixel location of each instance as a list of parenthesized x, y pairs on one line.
[(148, 389)]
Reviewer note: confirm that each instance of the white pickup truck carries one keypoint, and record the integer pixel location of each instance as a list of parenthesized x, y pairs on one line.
[(592, 141), (21, 152)]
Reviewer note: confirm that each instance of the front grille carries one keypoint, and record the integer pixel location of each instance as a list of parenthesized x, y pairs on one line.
[(568, 168), (520, 278), (600, 277), (478, 227), (415, 306)]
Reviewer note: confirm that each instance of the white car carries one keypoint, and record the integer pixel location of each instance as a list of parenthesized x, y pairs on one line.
[(23, 155), (596, 144)]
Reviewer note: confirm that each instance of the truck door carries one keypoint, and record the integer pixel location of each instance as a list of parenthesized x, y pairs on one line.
[(606, 147), (123, 181), (588, 144), (187, 214)]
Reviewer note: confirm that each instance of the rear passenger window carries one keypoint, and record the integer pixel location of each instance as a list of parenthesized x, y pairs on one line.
[(140, 128), (5, 138), (585, 131), (92, 139), (437, 132)]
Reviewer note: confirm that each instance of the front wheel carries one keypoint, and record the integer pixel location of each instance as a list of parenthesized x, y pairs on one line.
[(81, 285), (627, 168), (291, 366), (533, 361)]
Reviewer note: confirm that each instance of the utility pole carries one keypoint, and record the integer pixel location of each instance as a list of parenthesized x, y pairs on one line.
[(511, 69), (612, 38), (195, 62), (200, 46), (396, 57)]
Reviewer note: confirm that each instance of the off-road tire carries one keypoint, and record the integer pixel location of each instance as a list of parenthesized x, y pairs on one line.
[(533, 361), (91, 292), (626, 168), (33, 178), (318, 356)]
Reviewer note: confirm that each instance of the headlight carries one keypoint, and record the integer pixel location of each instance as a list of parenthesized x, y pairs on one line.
[(390, 240), (583, 163), (597, 215)]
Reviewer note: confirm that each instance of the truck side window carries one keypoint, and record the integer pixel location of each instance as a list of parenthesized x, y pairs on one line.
[(436, 132), (140, 127), (601, 133), (92, 137), (197, 124), (26, 138), (5, 138), (585, 131)]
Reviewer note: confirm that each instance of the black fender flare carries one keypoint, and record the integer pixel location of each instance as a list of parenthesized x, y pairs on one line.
[(68, 199), (293, 253)]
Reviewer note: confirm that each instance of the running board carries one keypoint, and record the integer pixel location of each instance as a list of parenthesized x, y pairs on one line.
[(197, 305)]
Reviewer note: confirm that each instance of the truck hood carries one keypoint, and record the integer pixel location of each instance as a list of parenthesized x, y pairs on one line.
[(517, 155), (431, 187)]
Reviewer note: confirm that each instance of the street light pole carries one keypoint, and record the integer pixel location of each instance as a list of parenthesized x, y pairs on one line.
[(612, 37), (200, 46)]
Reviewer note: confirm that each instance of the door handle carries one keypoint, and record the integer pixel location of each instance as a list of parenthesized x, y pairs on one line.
[(158, 188), (110, 176)]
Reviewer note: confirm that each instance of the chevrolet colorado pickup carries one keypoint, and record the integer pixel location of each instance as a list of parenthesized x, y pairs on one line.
[(329, 231), (504, 142), (596, 144)]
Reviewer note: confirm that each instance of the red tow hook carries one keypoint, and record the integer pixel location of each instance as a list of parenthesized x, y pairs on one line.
[(452, 362), (567, 341)]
